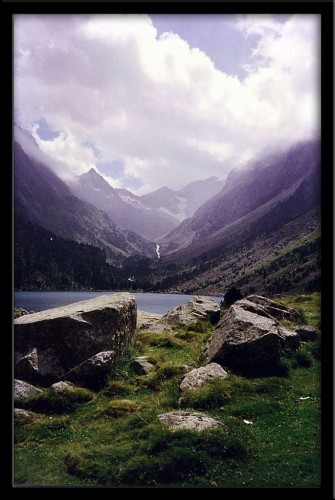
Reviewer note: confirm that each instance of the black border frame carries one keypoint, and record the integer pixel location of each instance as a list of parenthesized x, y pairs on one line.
[(323, 7)]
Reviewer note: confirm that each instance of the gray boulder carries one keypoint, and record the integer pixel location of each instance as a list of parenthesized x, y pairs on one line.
[(178, 420), (196, 308), (306, 333), (64, 337), (250, 341), (200, 376), (23, 390), (94, 371), (141, 365), (273, 309)]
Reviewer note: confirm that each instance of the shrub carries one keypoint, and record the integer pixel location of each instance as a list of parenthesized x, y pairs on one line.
[(232, 295), (302, 358), (302, 318), (118, 388), (154, 379), (121, 408), (211, 395)]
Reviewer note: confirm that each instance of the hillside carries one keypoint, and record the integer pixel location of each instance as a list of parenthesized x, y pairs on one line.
[(44, 199), (44, 261), (261, 232), (262, 197)]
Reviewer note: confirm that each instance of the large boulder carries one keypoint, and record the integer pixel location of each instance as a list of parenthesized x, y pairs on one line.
[(199, 376), (273, 309), (250, 341), (196, 308), (23, 390), (93, 372), (179, 420), (55, 341)]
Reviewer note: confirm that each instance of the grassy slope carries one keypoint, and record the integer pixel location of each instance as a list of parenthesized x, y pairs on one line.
[(116, 439)]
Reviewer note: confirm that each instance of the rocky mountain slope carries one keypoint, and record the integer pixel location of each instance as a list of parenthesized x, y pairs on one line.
[(44, 199), (266, 194), (261, 232), (151, 215)]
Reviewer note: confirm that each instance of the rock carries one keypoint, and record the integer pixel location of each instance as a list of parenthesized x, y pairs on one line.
[(23, 417), (274, 309), (177, 420), (249, 341), (94, 371), (23, 390), (306, 333), (19, 311), (146, 319), (195, 309), (62, 387), (200, 376), (27, 367), (65, 337), (141, 365)]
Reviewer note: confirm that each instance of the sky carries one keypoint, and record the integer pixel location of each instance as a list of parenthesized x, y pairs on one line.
[(163, 100)]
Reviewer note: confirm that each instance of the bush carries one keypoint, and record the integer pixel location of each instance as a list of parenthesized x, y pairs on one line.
[(302, 358), (210, 396), (118, 388), (121, 408), (154, 379), (231, 296)]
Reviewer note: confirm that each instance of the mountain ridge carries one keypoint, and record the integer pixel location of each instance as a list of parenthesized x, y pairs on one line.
[(151, 215), (44, 199)]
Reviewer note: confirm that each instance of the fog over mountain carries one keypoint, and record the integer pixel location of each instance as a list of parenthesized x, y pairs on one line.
[(150, 215)]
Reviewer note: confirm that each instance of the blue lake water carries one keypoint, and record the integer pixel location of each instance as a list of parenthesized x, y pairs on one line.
[(158, 303)]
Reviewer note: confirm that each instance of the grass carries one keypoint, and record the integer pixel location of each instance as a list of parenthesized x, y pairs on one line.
[(116, 439)]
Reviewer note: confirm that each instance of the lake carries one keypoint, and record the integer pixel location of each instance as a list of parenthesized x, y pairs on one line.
[(158, 303)]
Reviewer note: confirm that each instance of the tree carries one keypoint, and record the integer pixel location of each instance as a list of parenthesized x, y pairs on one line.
[(232, 295)]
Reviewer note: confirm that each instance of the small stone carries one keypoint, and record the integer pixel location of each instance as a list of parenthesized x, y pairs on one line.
[(178, 420), (62, 387), (200, 376), (24, 417), (23, 390), (142, 366)]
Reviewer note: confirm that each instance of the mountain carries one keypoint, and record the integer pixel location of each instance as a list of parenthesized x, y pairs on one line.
[(183, 204), (151, 215), (46, 261), (253, 200), (123, 207), (261, 232), (42, 198)]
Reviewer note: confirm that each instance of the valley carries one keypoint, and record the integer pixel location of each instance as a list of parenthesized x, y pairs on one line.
[(259, 232)]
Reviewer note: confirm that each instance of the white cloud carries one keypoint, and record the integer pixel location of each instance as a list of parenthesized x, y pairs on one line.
[(157, 104)]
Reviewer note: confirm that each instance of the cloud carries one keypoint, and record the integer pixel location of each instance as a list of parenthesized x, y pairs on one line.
[(117, 92)]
